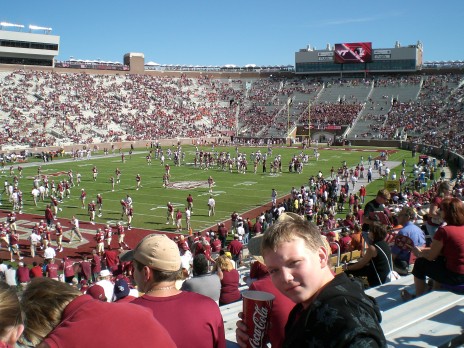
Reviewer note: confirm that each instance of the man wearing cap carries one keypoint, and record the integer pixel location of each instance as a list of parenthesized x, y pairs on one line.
[(402, 256), (122, 292), (157, 265), (23, 274), (106, 284), (97, 292), (376, 205)]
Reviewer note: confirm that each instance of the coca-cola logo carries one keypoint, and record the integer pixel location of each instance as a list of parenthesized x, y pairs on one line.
[(260, 319)]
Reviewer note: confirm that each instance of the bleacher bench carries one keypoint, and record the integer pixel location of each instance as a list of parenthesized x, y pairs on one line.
[(435, 319)]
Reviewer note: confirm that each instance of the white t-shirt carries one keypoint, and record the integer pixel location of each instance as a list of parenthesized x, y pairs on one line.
[(49, 253), (108, 286), (10, 277), (186, 260)]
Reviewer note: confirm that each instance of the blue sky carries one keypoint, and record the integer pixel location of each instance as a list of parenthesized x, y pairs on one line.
[(207, 32)]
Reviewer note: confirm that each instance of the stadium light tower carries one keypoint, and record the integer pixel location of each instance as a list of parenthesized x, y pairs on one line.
[(309, 122), (35, 27), (289, 104), (10, 25)]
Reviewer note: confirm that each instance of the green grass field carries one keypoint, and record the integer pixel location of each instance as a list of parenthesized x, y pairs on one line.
[(232, 191)]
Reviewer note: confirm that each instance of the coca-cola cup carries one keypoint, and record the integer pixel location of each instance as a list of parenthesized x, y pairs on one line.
[(257, 308)]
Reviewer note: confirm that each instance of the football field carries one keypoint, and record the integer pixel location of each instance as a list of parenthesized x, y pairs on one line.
[(231, 191)]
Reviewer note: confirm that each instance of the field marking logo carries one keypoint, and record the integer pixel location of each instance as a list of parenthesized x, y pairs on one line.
[(246, 183), (116, 222), (214, 194), (49, 174), (187, 185)]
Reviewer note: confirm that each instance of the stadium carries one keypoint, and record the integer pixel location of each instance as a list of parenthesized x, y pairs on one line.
[(338, 110)]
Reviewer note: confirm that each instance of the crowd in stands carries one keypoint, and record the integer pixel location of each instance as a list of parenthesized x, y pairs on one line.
[(431, 119), (49, 108)]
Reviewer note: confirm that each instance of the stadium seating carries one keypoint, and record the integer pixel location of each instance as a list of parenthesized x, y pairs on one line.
[(40, 108)]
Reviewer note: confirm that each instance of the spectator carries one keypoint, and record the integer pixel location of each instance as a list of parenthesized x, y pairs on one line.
[(95, 265), (443, 261), (68, 270), (122, 292), (230, 279), (345, 241), (3, 268), (11, 319), (374, 264), (156, 267), (57, 315), (186, 258), (281, 305), (203, 282), (106, 283), (10, 276), (23, 274), (357, 238), (376, 205), (222, 234), (36, 271), (97, 292), (51, 269), (434, 215), (49, 253), (298, 261), (402, 256), (235, 247)]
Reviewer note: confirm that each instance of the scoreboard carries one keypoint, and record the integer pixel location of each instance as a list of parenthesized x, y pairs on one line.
[(358, 57), (360, 52)]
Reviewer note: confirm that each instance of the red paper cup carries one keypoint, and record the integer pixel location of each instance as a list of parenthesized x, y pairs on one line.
[(257, 308)]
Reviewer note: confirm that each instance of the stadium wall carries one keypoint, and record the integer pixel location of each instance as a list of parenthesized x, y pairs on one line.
[(117, 145)]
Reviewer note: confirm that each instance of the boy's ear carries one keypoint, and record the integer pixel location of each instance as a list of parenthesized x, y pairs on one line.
[(323, 256)]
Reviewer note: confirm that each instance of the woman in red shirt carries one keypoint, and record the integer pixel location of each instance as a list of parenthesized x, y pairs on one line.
[(229, 281), (443, 261)]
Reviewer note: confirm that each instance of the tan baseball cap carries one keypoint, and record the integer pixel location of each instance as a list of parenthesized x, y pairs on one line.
[(156, 251)]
